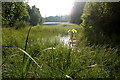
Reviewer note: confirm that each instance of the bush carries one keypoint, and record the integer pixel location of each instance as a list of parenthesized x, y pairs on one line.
[(20, 24)]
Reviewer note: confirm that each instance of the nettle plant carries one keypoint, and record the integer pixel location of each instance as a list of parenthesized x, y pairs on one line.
[(73, 37)]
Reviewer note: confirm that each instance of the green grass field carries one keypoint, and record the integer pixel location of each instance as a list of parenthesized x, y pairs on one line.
[(51, 59)]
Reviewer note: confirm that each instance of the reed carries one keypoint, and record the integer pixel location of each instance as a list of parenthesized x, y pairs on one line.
[(47, 57)]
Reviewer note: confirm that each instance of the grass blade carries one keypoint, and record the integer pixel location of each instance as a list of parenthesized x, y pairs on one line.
[(25, 54), (29, 57)]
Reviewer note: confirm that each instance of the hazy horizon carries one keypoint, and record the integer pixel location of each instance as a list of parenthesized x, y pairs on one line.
[(53, 7)]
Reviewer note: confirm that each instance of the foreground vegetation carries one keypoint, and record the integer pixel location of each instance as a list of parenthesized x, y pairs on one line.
[(51, 59)]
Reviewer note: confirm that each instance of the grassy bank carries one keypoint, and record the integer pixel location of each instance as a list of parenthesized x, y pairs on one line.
[(54, 60)]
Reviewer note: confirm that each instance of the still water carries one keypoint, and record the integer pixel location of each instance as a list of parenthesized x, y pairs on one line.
[(53, 23)]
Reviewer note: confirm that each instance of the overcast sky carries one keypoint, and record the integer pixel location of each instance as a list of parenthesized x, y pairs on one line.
[(53, 7)]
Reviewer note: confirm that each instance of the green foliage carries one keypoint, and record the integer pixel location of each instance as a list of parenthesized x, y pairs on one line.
[(101, 22), (13, 12), (55, 59), (20, 24), (19, 14), (65, 18), (35, 16)]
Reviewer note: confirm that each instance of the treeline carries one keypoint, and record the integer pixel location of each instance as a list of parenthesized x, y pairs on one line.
[(100, 21), (64, 18), (19, 14)]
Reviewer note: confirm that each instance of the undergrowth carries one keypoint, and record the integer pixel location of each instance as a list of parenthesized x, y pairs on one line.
[(54, 59)]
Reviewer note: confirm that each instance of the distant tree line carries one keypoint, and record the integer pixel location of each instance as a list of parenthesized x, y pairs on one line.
[(65, 18), (19, 14)]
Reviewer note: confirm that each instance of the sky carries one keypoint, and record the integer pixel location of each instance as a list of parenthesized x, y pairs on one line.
[(53, 7)]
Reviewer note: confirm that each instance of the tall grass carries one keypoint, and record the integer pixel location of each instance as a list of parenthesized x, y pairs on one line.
[(55, 59)]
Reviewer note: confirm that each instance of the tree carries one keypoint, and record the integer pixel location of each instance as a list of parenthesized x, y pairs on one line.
[(35, 16), (101, 20), (64, 18), (13, 12)]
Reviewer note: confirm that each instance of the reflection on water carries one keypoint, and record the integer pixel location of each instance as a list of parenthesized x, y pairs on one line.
[(62, 39)]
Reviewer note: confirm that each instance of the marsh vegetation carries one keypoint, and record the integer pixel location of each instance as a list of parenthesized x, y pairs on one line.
[(33, 50), (55, 60)]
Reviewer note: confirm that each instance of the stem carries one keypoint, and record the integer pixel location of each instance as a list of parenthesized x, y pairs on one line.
[(26, 42), (25, 49)]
